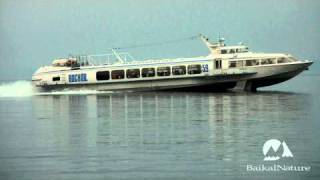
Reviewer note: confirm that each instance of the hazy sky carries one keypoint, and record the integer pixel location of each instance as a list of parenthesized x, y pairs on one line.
[(33, 32)]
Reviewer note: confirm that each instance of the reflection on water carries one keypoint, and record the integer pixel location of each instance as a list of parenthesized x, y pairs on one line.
[(141, 118), (152, 134)]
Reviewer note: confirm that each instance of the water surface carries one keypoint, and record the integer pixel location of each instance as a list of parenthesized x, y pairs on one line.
[(161, 135)]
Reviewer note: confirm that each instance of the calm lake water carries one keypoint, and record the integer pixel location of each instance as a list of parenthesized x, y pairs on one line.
[(157, 135)]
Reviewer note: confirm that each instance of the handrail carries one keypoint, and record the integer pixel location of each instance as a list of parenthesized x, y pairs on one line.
[(102, 59)]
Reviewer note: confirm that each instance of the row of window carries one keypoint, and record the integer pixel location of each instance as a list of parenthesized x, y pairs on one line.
[(232, 51), (148, 72), (256, 62)]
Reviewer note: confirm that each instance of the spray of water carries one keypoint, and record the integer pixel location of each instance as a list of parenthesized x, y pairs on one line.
[(25, 89), (16, 89)]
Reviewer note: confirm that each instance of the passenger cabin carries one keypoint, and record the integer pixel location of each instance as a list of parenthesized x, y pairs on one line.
[(226, 57)]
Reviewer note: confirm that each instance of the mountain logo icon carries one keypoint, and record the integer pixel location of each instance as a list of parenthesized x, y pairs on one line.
[(272, 150)]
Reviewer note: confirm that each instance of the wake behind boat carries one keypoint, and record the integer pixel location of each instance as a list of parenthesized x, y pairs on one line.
[(226, 67)]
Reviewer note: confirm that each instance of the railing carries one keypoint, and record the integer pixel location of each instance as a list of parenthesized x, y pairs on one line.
[(123, 58), (102, 59)]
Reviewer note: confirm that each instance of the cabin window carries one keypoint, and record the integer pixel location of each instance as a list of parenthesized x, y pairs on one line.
[(56, 78), (163, 71), (223, 51), (148, 72), (217, 64), (232, 64), (283, 60), (103, 75), (178, 70), (117, 74), (267, 61), (133, 73), (292, 59), (252, 62), (194, 69), (232, 51), (249, 63)]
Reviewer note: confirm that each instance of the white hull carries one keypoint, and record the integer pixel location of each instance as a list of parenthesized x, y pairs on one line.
[(264, 76), (227, 67)]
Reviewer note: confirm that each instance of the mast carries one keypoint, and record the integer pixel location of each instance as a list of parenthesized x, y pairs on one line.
[(213, 47), (115, 53)]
